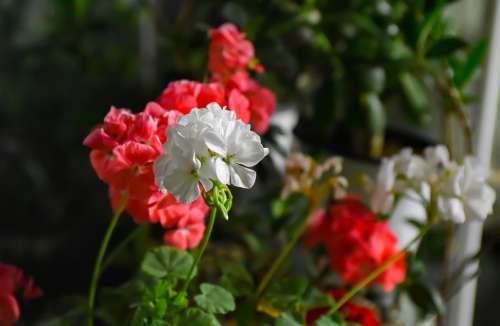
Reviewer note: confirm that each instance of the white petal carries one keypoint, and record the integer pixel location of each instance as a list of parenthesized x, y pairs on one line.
[(242, 177), (479, 202), (206, 183), (216, 169), (408, 207), (215, 143), (382, 201), (451, 209)]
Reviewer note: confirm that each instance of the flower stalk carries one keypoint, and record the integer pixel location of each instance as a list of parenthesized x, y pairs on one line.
[(299, 232), (100, 257), (203, 247)]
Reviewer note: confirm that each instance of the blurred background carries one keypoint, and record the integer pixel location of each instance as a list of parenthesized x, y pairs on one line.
[(364, 78)]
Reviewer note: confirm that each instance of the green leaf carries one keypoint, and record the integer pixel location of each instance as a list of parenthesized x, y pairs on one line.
[(418, 104), (237, 280), (167, 262), (431, 20), (376, 113), (286, 320), (215, 299), (332, 320), (446, 47), (317, 299), (373, 79), (287, 293), (474, 58), (197, 317), (426, 297), (278, 208)]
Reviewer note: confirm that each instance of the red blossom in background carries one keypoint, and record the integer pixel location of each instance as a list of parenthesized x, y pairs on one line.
[(357, 242), (350, 311), (229, 58), (13, 281), (229, 50), (184, 95)]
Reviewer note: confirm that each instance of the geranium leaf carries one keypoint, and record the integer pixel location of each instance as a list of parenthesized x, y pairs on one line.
[(287, 320), (197, 317), (167, 262), (288, 292), (215, 299), (329, 321), (237, 280)]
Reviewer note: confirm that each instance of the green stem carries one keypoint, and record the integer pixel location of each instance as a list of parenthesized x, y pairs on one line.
[(379, 270), (211, 222), (100, 257), (266, 279), (118, 249)]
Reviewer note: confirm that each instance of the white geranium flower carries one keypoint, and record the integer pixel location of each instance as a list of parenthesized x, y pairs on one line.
[(383, 197), (409, 165), (243, 151), (411, 206), (437, 161), (460, 191), (181, 176), (207, 145), (451, 209), (466, 195)]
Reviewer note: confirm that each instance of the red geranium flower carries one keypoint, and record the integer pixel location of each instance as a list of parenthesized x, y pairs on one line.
[(124, 148), (189, 231), (229, 50), (184, 95), (350, 311), (14, 281), (357, 243), (261, 100)]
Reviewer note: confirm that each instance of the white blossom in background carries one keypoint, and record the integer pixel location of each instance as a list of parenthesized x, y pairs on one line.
[(207, 145), (461, 191), (383, 196), (465, 194)]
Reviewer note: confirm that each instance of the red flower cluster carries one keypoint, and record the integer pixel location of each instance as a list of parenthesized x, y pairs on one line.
[(230, 51), (125, 146), (13, 281), (351, 312), (357, 242)]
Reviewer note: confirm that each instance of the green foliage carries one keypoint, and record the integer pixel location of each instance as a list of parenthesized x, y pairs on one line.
[(167, 262), (420, 289), (198, 317), (418, 102), (465, 69), (237, 280), (287, 320), (288, 293), (446, 46), (331, 320), (154, 304), (215, 299)]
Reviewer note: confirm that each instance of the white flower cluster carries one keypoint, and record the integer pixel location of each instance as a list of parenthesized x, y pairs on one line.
[(207, 145), (461, 192)]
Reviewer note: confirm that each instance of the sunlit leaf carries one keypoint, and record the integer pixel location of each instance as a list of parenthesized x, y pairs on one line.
[(167, 262), (215, 299)]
